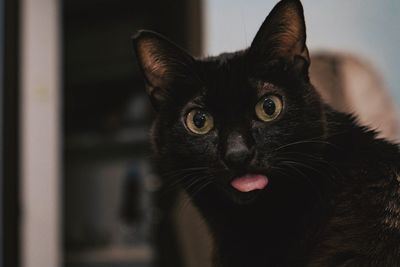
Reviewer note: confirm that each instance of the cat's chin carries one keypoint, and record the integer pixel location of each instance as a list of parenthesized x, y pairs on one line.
[(243, 198)]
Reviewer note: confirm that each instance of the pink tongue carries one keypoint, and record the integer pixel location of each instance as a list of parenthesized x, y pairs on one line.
[(250, 182)]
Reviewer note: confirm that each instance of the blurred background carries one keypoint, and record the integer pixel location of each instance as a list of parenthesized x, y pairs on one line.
[(76, 180)]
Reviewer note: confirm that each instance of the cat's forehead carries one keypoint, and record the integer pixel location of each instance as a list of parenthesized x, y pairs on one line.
[(228, 76), (226, 67)]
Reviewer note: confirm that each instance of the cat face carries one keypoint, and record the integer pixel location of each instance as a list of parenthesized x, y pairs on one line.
[(234, 122)]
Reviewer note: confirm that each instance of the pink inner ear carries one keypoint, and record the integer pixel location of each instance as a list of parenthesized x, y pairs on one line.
[(154, 67), (150, 59)]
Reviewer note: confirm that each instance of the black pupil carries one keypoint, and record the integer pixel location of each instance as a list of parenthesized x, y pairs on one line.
[(269, 106), (199, 119)]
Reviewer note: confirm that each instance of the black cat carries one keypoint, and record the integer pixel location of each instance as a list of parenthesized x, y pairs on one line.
[(280, 177)]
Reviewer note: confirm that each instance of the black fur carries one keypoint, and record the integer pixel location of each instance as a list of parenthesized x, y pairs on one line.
[(334, 192)]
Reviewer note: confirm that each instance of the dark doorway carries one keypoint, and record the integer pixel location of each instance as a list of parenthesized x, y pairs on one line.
[(109, 188), (9, 94)]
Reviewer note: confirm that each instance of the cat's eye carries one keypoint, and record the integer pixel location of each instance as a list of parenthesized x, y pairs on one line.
[(199, 121), (269, 108)]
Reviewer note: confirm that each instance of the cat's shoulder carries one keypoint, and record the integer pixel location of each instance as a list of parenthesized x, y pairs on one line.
[(391, 206), (365, 227)]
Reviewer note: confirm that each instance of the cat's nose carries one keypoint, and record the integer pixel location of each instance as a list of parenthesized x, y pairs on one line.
[(237, 153)]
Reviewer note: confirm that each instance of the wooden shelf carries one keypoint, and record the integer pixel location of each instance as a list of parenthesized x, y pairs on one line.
[(142, 254)]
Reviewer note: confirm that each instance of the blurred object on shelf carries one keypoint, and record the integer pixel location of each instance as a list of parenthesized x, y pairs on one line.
[(351, 84)]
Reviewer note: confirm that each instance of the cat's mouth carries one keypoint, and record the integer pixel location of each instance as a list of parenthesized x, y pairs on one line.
[(250, 182)]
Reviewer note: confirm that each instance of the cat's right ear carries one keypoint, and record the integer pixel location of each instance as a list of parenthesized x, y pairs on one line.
[(162, 63), (282, 37)]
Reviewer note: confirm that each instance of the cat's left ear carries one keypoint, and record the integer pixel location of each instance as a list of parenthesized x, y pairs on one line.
[(163, 65), (282, 36)]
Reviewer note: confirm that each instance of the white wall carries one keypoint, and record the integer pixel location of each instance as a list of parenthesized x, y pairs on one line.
[(369, 28), (40, 135)]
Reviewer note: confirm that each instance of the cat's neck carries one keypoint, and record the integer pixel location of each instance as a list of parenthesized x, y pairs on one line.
[(265, 233)]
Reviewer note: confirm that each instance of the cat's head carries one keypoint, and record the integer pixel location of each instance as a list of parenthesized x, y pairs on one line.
[(241, 123)]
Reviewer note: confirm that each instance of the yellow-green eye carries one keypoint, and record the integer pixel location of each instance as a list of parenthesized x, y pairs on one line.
[(269, 108), (199, 121)]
